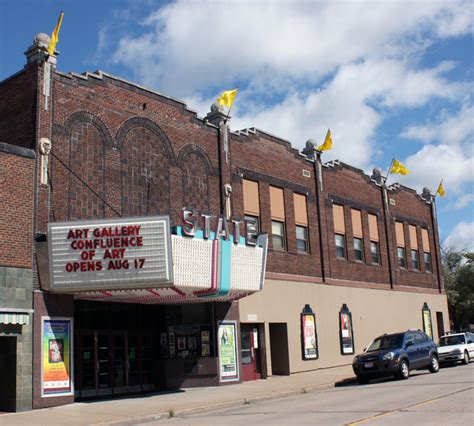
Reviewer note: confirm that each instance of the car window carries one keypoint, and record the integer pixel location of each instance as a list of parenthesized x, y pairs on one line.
[(409, 338), (458, 339), (391, 341), (419, 338)]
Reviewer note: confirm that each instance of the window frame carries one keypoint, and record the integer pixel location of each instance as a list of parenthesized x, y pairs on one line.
[(306, 240), (428, 270), (404, 266), (372, 253), (344, 248), (283, 236), (257, 218), (361, 250), (415, 260)]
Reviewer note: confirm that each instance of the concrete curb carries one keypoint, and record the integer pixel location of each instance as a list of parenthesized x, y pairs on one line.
[(264, 397)]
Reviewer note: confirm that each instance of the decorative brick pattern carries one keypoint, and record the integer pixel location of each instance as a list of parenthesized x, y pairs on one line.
[(87, 161), (145, 174), (195, 182)]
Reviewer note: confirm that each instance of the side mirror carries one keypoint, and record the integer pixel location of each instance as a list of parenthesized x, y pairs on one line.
[(363, 350), (409, 343)]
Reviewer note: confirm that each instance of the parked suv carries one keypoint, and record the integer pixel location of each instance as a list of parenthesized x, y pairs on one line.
[(396, 354), (455, 347)]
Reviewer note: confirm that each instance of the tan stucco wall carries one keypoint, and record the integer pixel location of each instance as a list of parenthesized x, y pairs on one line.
[(374, 312)]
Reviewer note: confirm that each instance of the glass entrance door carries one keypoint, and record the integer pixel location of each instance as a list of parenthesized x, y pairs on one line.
[(113, 362)]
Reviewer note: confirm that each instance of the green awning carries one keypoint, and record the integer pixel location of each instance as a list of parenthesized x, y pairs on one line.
[(14, 318)]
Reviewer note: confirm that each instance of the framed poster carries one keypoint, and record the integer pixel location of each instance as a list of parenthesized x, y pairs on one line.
[(309, 336), (56, 357), (181, 343), (192, 345), (204, 336), (227, 343), (171, 339), (427, 325), (205, 349), (346, 335)]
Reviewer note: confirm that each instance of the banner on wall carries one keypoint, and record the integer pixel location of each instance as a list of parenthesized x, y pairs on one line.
[(310, 343), (228, 351), (56, 357)]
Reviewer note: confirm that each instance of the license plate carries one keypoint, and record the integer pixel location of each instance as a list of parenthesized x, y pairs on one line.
[(368, 364)]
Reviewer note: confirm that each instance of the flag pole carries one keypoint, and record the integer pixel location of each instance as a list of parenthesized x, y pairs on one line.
[(388, 171), (228, 112)]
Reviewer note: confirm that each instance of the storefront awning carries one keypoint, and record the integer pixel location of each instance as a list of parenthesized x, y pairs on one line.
[(15, 318)]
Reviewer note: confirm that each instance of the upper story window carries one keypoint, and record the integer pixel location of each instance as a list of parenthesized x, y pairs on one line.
[(374, 239), (426, 249), (414, 260), (356, 216), (340, 246), (415, 263), (277, 209), (339, 230), (251, 201), (400, 236), (278, 235), (301, 221)]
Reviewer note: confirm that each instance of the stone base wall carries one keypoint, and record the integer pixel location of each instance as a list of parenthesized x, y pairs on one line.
[(16, 293)]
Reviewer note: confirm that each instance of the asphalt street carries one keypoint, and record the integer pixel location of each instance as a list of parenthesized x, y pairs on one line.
[(445, 398)]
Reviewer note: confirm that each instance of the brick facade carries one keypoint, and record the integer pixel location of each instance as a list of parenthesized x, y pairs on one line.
[(119, 149)]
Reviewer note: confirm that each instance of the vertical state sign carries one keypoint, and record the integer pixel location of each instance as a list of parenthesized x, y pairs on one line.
[(56, 357), (228, 351), (110, 254)]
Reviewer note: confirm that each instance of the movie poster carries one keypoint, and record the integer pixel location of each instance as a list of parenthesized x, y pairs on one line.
[(308, 325), (427, 323), (56, 357), (347, 341), (228, 352)]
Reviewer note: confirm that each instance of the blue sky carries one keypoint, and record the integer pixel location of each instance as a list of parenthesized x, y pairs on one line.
[(390, 78)]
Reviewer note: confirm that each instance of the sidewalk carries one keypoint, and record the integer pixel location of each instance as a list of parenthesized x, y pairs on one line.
[(149, 407)]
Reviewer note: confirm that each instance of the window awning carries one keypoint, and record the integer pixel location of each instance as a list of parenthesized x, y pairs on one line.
[(12, 317)]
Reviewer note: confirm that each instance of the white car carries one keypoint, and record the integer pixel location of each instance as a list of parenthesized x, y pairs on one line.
[(456, 347)]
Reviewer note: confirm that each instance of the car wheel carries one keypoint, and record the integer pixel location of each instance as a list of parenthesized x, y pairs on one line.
[(363, 380), (434, 364), (403, 370), (465, 360)]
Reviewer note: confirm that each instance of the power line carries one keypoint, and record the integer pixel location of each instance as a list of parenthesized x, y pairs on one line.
[(85, 183)]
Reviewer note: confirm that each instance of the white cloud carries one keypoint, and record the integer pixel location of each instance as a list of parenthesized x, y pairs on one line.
[(461, 237), (305, 66), (191, 45), (433, 163), (453, 129), (463, 201)]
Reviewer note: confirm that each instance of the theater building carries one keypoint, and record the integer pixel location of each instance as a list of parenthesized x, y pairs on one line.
[(150, 249)]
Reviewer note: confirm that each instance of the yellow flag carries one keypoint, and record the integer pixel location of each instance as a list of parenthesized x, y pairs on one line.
[(55, 35), (327, 144), (227, 98), (398, 168), (441, 190)]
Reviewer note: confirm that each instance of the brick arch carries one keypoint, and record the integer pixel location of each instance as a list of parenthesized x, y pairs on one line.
[(145, 158), (152, 127), (197, 150), (196, 168), (87, 137), (88, 117)]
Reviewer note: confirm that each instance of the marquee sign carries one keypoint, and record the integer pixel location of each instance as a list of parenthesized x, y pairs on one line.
[(110, 254)]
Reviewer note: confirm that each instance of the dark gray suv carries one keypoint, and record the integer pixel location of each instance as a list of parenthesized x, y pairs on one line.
[(395, 355)]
